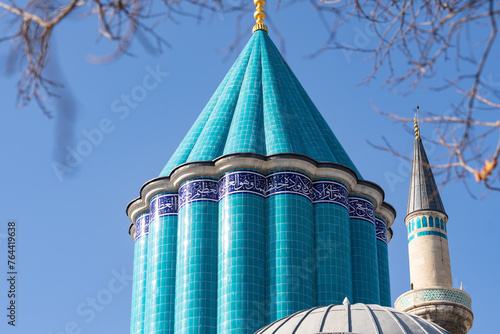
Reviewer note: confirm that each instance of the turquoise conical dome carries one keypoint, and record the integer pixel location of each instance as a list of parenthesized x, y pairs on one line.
[(260, 107), (258, 215)]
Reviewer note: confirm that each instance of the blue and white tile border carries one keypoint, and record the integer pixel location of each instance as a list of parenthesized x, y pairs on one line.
[(322, 191), (289, 183), (302, 167), (276, 183), (361, 208), (381, 229), (198, 190), (165, 204), (242, 182), (326, 191), (142, 226)]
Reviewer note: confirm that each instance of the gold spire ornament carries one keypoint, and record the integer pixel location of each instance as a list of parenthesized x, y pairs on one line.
[(259, 15), (417, 130)]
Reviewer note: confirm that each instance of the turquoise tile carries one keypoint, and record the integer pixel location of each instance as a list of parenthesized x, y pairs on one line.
[(365, 275), (139, 275), (162, 251), (260, 107)]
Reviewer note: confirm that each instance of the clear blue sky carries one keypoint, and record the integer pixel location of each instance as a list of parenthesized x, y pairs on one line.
[(74, 254)]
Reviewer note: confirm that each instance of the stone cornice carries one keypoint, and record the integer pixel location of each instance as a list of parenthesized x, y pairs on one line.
[(264, 164)]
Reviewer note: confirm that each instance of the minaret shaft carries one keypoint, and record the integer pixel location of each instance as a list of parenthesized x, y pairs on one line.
[(428, 250)]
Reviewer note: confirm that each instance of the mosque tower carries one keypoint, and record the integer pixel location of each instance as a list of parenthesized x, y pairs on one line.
[(432, 295)]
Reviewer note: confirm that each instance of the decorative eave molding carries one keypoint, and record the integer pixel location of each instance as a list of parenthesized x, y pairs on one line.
[(131, 230), (265, 164), (388, 213), (390, 233)]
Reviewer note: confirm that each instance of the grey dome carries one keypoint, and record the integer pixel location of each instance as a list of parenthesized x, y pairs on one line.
[(357, 318)]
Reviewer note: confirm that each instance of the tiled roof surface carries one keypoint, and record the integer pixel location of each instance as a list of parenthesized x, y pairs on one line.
[(260, 107), (424, 193)]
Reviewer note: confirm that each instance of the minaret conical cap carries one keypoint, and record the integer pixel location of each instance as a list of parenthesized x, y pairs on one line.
[(424, 193)]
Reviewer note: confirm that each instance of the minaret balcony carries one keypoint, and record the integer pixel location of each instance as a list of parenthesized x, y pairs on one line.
[(447, 307), (415, 298)]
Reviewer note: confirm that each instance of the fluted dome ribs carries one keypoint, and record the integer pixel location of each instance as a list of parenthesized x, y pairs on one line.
[(247, 128), (357, 318), (260, 107)]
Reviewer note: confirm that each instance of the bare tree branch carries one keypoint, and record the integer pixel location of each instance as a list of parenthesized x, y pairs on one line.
[(429, 35), (119, 21)]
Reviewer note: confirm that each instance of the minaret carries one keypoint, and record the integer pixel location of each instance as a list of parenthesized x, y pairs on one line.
[(432, 295)]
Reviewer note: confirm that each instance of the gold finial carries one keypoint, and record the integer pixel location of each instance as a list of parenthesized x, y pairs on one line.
[(259, 15), (415, 119)]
